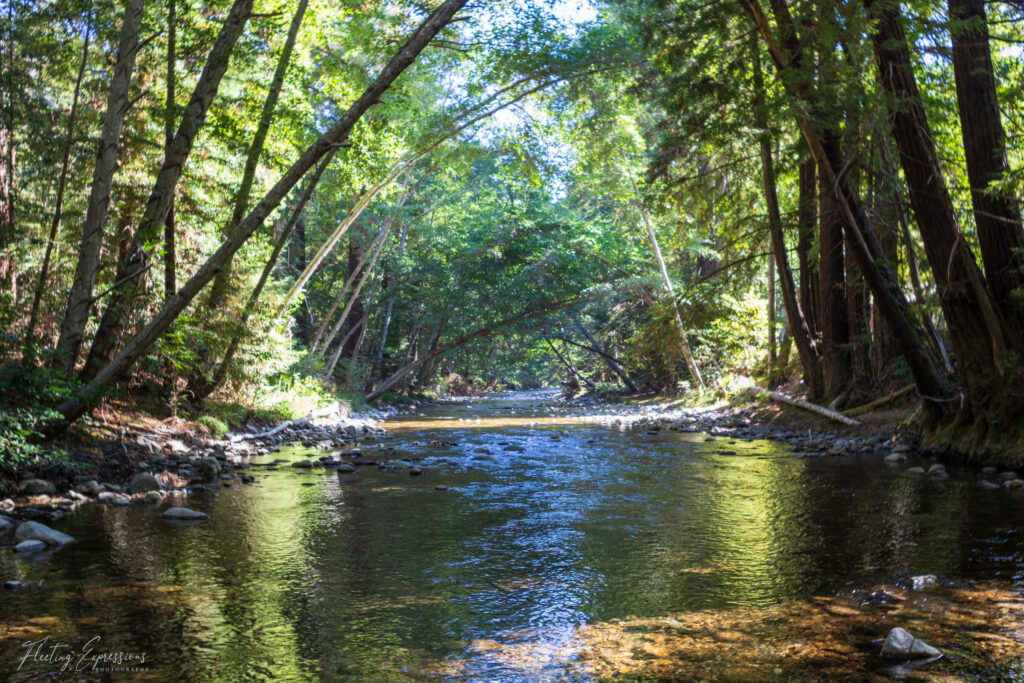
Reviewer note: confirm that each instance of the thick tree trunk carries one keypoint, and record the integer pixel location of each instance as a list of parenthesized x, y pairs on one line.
[(834, 323), (222, 281), (170, 115), (807, 219), (995, 213), (80, 298), (975, 330), (62, 184), (76, 406), (131, 268)]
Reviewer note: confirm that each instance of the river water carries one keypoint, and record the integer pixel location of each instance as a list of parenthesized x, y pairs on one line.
[(561, 549)]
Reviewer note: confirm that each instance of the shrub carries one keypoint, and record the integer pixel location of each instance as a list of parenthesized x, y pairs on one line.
[(213, 425)]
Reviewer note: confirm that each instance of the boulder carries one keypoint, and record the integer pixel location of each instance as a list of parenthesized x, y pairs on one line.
[(34, 531), (143, 482), (901, 644), (29, 546), (186, 514), (37, 487)]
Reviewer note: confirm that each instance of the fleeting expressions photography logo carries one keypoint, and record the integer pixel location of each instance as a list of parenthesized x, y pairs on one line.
[(90, 657)]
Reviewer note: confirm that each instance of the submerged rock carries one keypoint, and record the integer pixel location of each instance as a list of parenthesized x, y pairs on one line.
[(186, 514), (209, 467), (29, 546), (900, 643), (34, 531)]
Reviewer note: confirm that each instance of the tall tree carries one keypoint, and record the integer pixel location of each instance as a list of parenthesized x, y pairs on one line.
[(80, 298)]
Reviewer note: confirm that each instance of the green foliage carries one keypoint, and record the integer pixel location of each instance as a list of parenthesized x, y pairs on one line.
[(213, 425), (21, 439)]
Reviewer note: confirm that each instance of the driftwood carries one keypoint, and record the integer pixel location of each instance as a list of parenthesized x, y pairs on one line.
[(868, 407), (804, 405), (321, 412)]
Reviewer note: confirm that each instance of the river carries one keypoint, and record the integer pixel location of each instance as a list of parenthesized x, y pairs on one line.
[(536, 545)]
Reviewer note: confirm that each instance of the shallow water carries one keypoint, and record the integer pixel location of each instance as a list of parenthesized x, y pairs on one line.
[(564, 521)]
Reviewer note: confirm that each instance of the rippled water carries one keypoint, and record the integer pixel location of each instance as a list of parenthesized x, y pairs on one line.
[(379, 575)]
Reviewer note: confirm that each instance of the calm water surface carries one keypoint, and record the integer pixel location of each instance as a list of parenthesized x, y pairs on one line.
[(379, 576)]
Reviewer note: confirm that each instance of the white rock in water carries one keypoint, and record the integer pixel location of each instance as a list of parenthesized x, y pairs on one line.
[(29, 546), (900, 643), (34, 531), (185, 513)]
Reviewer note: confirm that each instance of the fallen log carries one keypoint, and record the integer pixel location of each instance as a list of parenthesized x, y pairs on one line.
[(868, 407), (320, 412), (804, 405)]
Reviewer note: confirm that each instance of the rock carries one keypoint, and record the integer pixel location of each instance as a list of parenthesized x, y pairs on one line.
[(989, 471), (346, 468), (20, 585), (7, 504), (171, 480), (186, 514), (91, 488), (141, 483), (5, 525), (440, 487), (34, 531), (37, 487), (209, 467), (923, 581), (415, 471), (1014, 483), (29, 546), (896, 457), (303, 464), (175, 446), (1008, 476), (112, 487), (937, 470), (899, 644), (153, 497), (915, 470), (248, 479), (988, 485), (148, 443)]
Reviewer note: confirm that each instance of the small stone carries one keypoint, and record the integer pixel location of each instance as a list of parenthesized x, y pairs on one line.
[(440, 487), (900, 643), (923, 581), (915, 470), (896, 457), (34, 531), (186, 514), (303, 464), (37, 487), (988, 485), (29, 546)]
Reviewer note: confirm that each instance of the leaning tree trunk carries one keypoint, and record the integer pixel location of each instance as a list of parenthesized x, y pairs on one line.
[(62, 184), (252, 159), (78, 404), (807, 216), (131, 269), (80, 298), (995, 213), (974, 327), (170, 247)]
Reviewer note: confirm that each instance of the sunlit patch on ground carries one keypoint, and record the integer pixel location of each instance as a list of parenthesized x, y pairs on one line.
[(979, 628)]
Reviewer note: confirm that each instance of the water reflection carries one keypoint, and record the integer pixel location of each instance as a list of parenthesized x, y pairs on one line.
[(550, 522)]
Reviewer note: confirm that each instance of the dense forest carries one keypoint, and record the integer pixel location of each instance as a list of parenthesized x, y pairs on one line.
[(276, 204)]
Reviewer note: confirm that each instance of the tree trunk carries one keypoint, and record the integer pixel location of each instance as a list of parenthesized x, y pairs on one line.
[(995, 213), (78, 404), (222, 281), (80, 298), (170, 248), (807, 219), (612, 364), (834, 323), (974, 328), (130, 269), (62, 183)]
